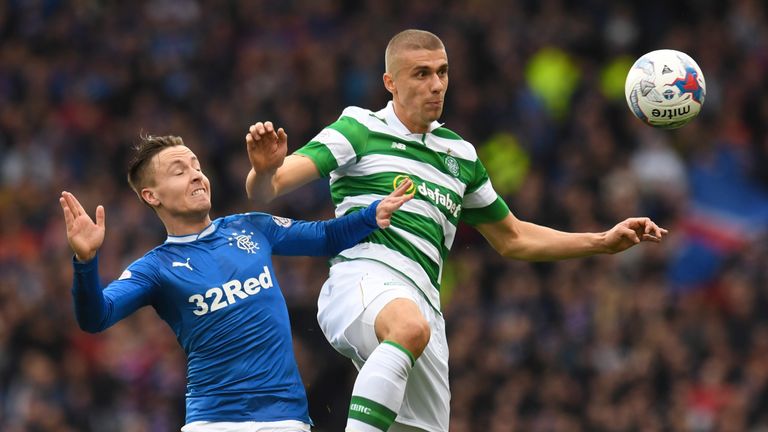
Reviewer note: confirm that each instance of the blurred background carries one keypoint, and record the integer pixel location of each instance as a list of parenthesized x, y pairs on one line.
[(669, 337)]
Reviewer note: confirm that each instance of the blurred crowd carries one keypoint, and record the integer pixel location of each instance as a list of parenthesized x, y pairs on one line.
[(608, 343)]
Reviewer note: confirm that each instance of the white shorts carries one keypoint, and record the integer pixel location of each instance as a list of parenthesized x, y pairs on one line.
[(247, 426), (349, 302)]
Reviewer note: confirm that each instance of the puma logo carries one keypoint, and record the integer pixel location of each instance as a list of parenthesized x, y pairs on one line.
[(182, 264)]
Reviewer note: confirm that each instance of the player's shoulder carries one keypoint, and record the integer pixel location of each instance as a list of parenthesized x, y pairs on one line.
[(357, 116), (257, 219), (444, 132), (356, 112), (146, 265), (448, 141)]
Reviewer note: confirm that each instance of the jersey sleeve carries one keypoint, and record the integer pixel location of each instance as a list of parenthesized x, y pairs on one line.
[(318, 238), (97, 309), (481, 203), (336, 146)]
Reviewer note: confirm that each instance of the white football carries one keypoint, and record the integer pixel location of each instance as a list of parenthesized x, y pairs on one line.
[(665, 88)]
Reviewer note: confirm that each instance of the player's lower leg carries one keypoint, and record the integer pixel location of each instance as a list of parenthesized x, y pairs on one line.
[(380, 388)]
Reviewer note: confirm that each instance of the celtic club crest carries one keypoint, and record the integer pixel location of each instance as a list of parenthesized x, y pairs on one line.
[(453, 165)]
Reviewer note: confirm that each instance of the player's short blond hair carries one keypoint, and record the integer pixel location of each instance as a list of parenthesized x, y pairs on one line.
[(139, 169), (410, 39)]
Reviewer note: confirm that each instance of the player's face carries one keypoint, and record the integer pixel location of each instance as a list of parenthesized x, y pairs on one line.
[(180, 187), (418, 84)]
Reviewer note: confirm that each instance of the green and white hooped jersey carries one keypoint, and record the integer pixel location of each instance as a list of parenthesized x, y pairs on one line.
[(367, 154)]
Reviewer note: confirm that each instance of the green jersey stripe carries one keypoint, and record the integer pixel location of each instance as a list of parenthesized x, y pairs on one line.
[(394, 240), (379, 184), (430, 153), (374, 164), (425, 247), (493, 213), (414, 207), (421, 227), (411, 228), (444, 201), (321, 156)]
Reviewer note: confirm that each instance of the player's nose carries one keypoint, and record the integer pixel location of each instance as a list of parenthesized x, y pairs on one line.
[(197, 176), (436, 84)]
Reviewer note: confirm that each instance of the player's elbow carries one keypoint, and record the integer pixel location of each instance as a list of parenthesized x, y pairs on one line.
[(509, 245), (517, 241), (89, 328), (90, 325), (511, 251)]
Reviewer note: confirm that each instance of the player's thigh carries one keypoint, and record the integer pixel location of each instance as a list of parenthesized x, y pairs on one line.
[(361, 333), (350, 301)]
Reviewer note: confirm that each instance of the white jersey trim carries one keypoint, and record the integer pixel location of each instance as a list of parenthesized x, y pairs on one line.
[(480, 198), (457, 148), (192, 237)]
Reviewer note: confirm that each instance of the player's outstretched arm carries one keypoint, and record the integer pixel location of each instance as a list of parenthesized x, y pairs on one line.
[(272, 173), (518, 239), (84, 236), (329, 237)]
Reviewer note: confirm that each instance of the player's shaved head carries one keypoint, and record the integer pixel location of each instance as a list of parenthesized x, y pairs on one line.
[(139, 169), (408, 40)]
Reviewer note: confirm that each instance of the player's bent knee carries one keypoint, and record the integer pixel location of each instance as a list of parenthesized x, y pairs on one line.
[(412, 333), (401, 321)]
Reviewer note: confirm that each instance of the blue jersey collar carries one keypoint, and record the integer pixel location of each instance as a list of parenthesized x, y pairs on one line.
[(192, 237)]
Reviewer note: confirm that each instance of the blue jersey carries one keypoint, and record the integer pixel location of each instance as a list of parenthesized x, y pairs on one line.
[(218, 292)]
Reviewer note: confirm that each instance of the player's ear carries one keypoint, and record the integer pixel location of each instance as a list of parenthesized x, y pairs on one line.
[(389, 83), (149, 197)]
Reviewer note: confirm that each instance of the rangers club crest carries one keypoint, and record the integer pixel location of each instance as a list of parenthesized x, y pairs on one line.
[(243, 241)]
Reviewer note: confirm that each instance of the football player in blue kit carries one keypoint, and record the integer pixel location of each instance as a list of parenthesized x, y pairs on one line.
[(212, 281)]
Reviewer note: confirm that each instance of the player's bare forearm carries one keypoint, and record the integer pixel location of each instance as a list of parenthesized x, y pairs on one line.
[(540, 243), (527, 241), (533, 242), (294, 172), (259, 187)]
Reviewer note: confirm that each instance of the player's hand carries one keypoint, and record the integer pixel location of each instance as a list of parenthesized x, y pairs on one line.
[(266, 146), (631, 232), (84, 236), (392, 202)]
